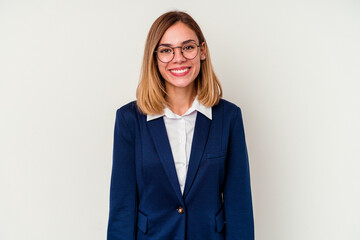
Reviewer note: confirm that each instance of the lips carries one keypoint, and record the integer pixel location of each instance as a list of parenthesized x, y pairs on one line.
[(180, 71)]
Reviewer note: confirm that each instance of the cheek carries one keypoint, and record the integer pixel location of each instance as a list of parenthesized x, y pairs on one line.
[(161, 69), (197, 66)]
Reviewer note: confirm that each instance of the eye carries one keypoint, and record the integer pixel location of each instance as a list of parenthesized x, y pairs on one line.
[(165, 50), (189, 47)]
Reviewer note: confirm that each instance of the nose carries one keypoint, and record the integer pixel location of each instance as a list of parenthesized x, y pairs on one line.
[(178, 56)]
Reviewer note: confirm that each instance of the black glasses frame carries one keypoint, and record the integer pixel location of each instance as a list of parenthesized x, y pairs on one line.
[(173, 49)]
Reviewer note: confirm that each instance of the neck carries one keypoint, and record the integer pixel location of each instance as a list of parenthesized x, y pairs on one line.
[(180, 100)]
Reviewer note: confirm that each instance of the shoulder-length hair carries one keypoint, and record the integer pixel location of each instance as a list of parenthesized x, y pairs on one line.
[(151, 91)]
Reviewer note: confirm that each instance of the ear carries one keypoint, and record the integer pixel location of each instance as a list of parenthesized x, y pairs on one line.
[(203, 51)]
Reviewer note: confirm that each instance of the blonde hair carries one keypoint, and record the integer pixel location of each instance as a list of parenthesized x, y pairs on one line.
[(151, 92)]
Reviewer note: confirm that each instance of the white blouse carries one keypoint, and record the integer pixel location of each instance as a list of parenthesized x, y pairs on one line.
[(180, 131)]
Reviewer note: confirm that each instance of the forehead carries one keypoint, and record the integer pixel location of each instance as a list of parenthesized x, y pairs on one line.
[(178, 33)]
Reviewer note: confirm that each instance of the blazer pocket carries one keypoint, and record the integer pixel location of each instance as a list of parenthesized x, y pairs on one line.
[(220, 220), (221, 154), (142, 222)]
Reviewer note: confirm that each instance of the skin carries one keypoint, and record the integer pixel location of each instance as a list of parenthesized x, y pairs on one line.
[(181, 89)]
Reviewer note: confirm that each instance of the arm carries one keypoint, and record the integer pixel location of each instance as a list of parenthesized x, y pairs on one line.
[(123, 205), (237, 189)]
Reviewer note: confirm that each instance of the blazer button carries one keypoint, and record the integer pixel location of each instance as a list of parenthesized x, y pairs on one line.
[(180, 210)]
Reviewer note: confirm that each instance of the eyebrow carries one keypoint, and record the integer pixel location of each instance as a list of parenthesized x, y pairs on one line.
[(184, 42)]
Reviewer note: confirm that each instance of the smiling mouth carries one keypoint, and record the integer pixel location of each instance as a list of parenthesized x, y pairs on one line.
[(179, 71)]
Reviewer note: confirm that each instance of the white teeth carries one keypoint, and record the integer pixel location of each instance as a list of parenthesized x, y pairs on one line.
[(180, 71)]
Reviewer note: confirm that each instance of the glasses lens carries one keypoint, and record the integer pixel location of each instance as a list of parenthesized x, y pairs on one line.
[(190, 50), (165, 54)]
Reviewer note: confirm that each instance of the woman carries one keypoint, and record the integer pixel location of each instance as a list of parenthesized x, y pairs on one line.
[(180, 164)]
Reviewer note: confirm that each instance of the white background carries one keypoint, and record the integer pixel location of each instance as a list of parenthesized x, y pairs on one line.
[(292, 66)]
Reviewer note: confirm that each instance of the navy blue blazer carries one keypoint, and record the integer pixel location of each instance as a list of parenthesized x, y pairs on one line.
[(145, 197)]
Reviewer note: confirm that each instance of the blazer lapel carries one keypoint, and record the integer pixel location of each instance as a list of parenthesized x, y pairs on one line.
[(163, 148), (201, 131)]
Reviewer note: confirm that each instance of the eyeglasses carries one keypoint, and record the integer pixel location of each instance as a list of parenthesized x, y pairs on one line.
[(166, 54)]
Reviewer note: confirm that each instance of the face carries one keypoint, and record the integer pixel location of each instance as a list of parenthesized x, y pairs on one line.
[(180, 72)]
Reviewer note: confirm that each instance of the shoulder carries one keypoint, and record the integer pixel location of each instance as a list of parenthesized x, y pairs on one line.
[(231, 114), (228, 105), (129, 108), (129, 112), (227, 108)]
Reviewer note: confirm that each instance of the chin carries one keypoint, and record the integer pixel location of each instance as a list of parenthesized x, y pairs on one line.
[(180, 83)]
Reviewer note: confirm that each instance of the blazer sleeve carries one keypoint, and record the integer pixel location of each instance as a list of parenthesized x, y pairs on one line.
[(123, 197), (237, 190)]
